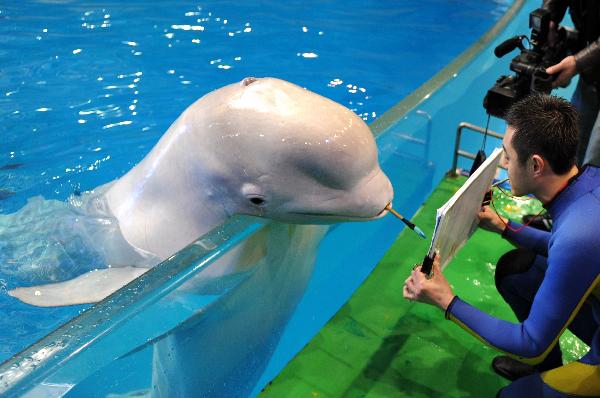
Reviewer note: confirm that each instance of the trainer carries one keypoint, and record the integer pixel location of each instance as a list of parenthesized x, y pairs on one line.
[(551, 280)]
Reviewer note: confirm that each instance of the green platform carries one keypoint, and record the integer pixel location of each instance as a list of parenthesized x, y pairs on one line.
[(380, 345)]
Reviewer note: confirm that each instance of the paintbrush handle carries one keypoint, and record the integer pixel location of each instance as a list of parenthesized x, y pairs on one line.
[(410, 224), (407, 222), (394, 212), (427, 265)]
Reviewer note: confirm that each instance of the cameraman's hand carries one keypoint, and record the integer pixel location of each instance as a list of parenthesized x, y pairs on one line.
[(489, 220), (435, 291), (565, 69)]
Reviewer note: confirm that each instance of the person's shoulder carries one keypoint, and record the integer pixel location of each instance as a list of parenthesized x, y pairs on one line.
[(586, 208), (588, 181), (582, 214)]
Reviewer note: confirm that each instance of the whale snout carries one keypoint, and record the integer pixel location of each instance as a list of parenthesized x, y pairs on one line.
[(366, 201), (369, 199)]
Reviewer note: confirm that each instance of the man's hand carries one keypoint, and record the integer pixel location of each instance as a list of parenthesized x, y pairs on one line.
[(565, 69), (489, 220), (435, 291)]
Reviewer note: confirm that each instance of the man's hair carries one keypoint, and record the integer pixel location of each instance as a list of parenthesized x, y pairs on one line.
[(547, 126)]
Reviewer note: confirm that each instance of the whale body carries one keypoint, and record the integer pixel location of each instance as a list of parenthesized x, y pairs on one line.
[(261, 147)]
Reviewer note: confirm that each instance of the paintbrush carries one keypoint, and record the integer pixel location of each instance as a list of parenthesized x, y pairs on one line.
[(405, 221)]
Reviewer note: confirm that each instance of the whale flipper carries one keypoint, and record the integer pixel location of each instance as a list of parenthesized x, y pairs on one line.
[(88, 288)]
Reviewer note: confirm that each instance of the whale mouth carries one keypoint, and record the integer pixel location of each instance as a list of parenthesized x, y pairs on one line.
[(338, 216), (386, 209)]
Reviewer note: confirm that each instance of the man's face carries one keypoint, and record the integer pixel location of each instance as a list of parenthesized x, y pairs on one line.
[(517, 173)]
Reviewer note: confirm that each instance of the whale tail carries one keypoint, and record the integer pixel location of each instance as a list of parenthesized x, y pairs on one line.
[(88, 288)]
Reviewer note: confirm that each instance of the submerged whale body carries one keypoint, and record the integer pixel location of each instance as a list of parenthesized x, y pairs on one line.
[(261, 147)]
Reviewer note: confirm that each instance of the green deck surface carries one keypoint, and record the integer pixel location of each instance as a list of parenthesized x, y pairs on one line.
[(380, 345)]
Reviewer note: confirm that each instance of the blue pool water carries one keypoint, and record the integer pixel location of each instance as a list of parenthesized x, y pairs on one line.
[(87, 89)]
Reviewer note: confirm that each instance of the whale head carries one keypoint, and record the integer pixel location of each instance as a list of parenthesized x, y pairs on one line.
[(288, 154), (262, 147)]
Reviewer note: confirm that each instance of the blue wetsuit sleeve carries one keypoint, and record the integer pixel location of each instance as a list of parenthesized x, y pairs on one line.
[(569, 279), (528, 237)]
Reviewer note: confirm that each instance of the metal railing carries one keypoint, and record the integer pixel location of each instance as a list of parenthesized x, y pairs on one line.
[(459, 152)]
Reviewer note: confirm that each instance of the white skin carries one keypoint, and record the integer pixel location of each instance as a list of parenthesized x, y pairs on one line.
[(535, 176), (565, 69)]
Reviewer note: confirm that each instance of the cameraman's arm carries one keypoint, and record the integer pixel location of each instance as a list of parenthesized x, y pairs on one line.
[(564, 71), (557, 9), (588, 62)]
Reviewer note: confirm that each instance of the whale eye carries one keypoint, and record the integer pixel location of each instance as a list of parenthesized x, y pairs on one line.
[(253, 193), (257, 201)]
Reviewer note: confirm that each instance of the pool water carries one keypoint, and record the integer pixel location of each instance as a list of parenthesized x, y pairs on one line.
[(87, 89)]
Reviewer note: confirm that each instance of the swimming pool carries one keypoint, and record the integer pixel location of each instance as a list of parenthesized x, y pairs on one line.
[(88, 90)]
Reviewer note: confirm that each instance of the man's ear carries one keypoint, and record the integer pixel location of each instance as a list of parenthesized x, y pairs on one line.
[(539, 165)]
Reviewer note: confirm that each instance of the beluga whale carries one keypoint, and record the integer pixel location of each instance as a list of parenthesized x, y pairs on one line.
[(262, 147)]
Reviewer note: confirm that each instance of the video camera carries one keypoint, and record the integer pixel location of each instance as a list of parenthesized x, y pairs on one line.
[(530, 65)]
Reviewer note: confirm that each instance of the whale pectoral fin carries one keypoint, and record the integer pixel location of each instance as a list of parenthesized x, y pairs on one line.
[(87, 288)]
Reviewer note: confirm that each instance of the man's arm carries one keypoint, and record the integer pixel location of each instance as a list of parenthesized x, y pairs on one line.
[(587, 62), (527, 237), (569, 280), (557, 9)]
